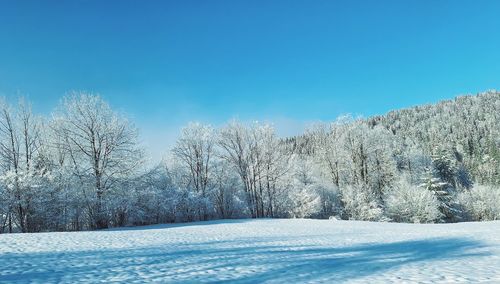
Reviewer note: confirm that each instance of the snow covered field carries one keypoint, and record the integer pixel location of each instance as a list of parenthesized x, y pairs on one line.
[(245, 251)]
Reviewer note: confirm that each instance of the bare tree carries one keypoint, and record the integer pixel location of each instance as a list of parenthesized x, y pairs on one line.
[(256, 155), (102, 146), (194, 150), (234, 141), (19, 152)]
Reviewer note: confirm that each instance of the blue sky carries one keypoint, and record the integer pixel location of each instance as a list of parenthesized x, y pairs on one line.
[(290, 62)]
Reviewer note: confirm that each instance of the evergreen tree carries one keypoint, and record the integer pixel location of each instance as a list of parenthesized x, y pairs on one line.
[(443, 167), (445, 194)]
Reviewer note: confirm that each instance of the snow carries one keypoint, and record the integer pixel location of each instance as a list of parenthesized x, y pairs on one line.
[(266, 250)]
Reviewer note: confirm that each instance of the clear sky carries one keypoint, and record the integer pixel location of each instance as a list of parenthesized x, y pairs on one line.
[(290, 62)]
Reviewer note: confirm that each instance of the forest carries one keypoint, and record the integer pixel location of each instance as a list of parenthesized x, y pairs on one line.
[(83, 168)]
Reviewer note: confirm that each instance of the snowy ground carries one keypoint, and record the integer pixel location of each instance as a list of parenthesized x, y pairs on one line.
[(258, 250)]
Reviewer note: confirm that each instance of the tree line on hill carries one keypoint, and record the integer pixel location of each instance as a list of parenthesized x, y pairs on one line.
[(83, 168)]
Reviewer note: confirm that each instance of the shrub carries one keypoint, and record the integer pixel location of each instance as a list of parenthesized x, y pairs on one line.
[(360, 204), (481, 203), (412, 204)]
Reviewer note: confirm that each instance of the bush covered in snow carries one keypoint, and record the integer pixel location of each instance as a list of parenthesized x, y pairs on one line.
[(412, 204), (359, 204), (481, 203)]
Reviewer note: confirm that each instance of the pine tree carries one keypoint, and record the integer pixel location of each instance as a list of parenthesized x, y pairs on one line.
[(445, 194), (444, 168)]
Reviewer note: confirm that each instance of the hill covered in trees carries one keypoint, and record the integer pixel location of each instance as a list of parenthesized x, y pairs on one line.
[(450, 148), (83, 168)]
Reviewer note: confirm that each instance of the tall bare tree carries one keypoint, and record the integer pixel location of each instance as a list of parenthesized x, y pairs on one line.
[(194, 150), (102, 146)]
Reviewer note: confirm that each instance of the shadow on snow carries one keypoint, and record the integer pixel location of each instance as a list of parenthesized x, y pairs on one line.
[(247, 260)]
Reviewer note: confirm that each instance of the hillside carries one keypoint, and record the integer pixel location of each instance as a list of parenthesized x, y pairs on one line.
[(467, 126)]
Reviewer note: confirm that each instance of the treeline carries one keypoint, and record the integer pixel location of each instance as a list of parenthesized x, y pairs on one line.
[(82, 168)]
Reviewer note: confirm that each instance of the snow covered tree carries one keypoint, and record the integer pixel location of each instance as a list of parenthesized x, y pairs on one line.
[(481, 203), (226, 194), (360, 204), (194, 150), (256, 155), (102, 147), (327, 141), (369, 162), (21, 160), (272, 164), (306, 203), (311, 193), (444, 168), (489, 165), (408, 203), (445, 195), (155, 197)]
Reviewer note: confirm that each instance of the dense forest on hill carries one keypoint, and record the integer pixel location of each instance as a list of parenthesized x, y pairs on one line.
[(467, 129), (82, 168)]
